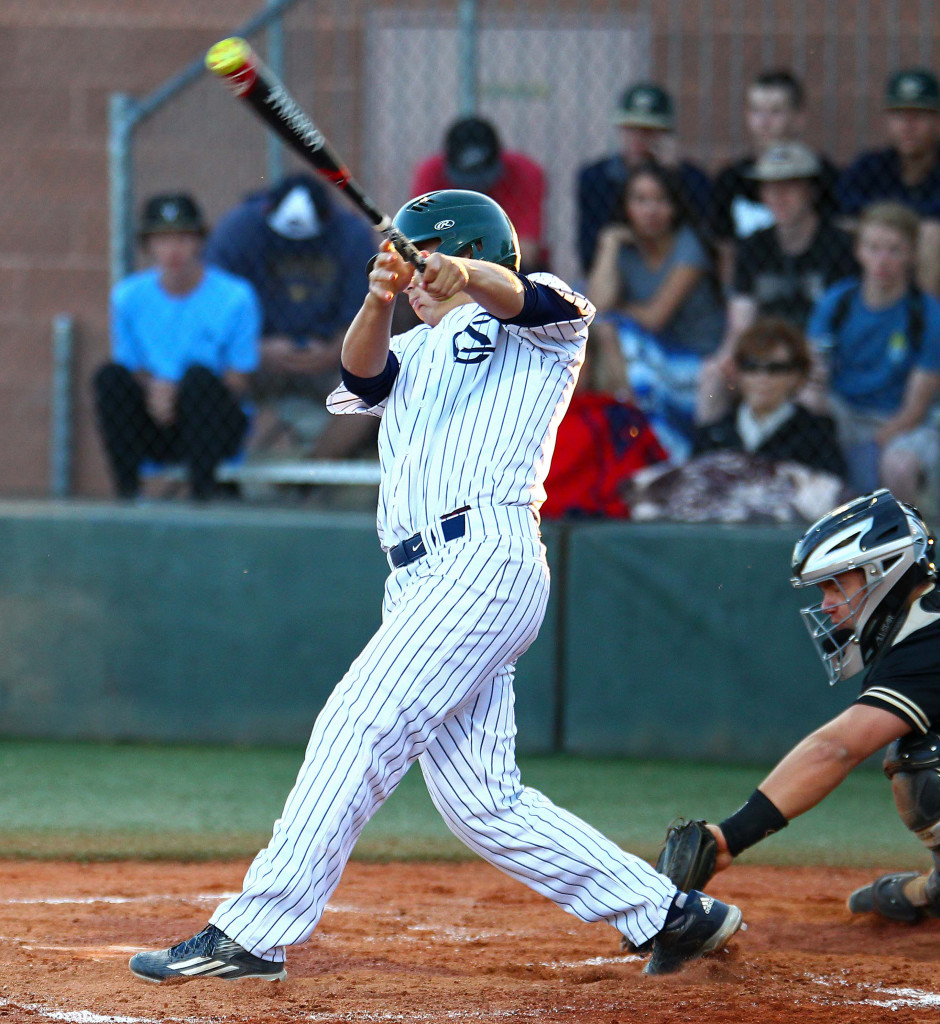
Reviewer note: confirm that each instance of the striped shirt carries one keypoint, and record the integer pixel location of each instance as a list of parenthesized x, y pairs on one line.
[(472, 415)]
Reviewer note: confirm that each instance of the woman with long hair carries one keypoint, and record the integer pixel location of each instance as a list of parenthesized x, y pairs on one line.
[(660, 309)]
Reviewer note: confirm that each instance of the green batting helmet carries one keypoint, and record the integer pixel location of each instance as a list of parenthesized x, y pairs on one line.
[(458, 218)]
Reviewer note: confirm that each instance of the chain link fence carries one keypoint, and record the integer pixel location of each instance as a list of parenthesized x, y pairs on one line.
[(722, 191)]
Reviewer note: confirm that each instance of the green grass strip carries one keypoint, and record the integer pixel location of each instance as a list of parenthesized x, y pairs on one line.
[(88, 801)]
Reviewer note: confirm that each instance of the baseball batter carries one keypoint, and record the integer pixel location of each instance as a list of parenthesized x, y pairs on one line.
[(469, 401)]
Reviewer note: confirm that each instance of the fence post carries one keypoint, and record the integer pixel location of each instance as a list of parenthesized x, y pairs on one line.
[(121, 191), (275, 61), (468, 58), (60, 431)]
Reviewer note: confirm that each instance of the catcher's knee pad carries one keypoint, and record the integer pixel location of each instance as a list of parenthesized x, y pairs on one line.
[(913, 766)]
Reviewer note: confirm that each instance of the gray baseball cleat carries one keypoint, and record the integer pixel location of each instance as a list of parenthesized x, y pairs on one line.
[(886, 896), (706, 924), (210, 954)]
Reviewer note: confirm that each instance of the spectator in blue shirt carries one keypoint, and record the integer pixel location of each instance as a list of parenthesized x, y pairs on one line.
[(306, 256), (184, 338), (879, 342), (647, 120), (909, 170)]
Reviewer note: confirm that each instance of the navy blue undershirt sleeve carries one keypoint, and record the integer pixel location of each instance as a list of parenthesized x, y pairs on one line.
[(541, 306), (372, 389)]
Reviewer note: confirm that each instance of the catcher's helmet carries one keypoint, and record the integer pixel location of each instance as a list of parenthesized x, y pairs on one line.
[(888, 540), (458, 218)]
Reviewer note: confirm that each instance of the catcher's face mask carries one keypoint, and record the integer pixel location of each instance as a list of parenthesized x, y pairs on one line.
[(833, 622), (870, 557)]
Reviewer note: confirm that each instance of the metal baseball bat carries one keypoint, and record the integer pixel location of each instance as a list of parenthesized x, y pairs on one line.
[(247, 77)]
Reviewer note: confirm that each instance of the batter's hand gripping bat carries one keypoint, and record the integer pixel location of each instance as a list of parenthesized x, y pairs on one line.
[(234, 61)]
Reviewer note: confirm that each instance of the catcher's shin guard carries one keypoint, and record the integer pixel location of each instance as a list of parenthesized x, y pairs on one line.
[(913, 766)]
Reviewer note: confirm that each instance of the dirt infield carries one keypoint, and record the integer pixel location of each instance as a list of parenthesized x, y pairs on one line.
[(436, 942)]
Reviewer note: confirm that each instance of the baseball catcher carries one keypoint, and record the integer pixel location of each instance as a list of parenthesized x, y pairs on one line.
[(872, 561)]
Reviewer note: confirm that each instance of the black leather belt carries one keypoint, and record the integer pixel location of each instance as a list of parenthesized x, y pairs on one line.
[(453, 525)]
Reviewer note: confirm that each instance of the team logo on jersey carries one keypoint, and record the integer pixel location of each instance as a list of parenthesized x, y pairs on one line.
[(471, 345), (443, 225)]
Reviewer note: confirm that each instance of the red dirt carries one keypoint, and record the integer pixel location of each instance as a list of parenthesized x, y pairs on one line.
[(422, 943)]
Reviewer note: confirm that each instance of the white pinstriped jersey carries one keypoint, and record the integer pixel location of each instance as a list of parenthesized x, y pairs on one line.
[(470, 422), (472, 416)]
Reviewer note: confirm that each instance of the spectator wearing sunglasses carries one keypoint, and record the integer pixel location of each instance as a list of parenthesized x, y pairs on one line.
[(772, 361)]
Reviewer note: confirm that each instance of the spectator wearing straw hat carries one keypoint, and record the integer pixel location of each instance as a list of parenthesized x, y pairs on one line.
[(908, 170), (646, 118), (774, 112), (780, 271)]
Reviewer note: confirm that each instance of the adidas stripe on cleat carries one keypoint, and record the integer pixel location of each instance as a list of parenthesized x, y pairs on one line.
[(706, 925), (210, 954)]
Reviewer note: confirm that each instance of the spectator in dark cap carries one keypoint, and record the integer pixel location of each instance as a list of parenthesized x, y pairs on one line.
[(306, 256), (184, 339), (647, 120), (908, 171), (474, 158)]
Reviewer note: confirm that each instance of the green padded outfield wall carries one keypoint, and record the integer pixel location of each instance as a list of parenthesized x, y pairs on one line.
[(232, 625), (177, 623), (685, 642)]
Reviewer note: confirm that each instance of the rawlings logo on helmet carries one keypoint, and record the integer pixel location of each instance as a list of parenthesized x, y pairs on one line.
[(443, 225)]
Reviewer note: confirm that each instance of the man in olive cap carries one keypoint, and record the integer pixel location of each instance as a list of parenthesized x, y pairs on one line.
[(908, 171), (647, 120)]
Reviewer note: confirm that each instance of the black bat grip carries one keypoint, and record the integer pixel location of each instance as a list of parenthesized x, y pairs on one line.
[(405, 247)]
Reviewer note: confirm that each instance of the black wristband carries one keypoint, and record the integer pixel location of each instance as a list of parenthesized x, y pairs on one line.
[(751, 823)]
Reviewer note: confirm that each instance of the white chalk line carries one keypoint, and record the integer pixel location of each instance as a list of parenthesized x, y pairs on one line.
[(53, 901), (51, 1013), (870, 995), (594, 961), (90, 1017), (896, 997)]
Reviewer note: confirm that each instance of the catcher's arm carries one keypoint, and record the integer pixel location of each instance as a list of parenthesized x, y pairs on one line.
[(723, 859)]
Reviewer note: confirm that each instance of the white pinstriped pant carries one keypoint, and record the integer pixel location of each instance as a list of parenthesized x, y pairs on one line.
[(435, 684)]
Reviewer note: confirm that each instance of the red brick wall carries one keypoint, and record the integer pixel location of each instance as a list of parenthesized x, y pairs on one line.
[(61, 59)]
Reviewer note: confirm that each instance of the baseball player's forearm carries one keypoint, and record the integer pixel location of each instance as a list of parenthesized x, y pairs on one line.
[(820, 762), (810, 772), (365, 347), (498, 290)]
